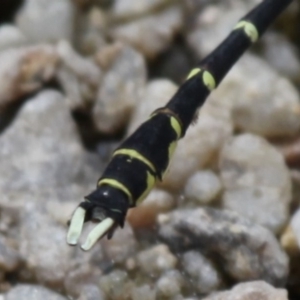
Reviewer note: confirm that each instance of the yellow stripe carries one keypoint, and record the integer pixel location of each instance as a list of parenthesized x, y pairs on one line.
[(118, 185), (207, 78), (249, 28), (176, 126), (150, 184), (135, 154), (193, 73)]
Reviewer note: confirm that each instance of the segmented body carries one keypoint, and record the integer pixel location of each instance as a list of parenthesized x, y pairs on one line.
[(143, 157)]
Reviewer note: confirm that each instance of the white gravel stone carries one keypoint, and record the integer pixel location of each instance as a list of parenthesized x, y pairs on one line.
[(144, 292), (202, 187), (251, 290), (201, 271), (224, 236), (120, 91), (117, 285), (130, 8), (24, 70), (156, 260), (170, 284), (214, 23), (80, 77), (277, 45), (32, 292), (11, 36), (261, 102), (43, 244), (151, 35), (256, 180), (47, 21)]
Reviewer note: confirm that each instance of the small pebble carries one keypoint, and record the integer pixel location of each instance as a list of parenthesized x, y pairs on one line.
[(46, 21), (155, 260), (248, 251), (203, 274), (120, 91), (256, 290), (202, 187), (32, 292), (256, 181)]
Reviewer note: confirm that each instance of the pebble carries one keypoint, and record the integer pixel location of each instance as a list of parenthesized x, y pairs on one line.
[(41, 150), (161, 29), (128, 9), (144, 292), (43, 244), (10, 258), (203, 187), (201, 272), (46, 21), (120, 91), (251, 290), (122, 246), (81, 275), (25, 70), (290, 242), (32, 292), (214, 23), (170, 284), (79, 77), (145, 214), (277, 45), (261, 102), (248, 251), (91, 292), (155, 260), (256, 181), (10, 37), (117, 285)]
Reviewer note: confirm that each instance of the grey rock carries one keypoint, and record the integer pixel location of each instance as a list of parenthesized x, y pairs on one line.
[(155, 260), (248, 251), (214, 23), (41, 149), (264, 103), (80, 77), (11, 36), (124, 9), (120, 91), (145, 292), (170, 284), (46, 21), (32, 292), (121, 246), (256, 181), (203, 274), (161, 28), (10, 258), (24, 70), (276, 45), (91, 292), (202, 187), (117, 285), (43, 244), (251, 290)]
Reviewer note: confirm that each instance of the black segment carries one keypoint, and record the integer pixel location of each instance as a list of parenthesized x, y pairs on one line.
[(132, 173), (152, 139)]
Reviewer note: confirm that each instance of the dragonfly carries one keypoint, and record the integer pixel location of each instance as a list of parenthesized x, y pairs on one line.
[(143, 158)]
